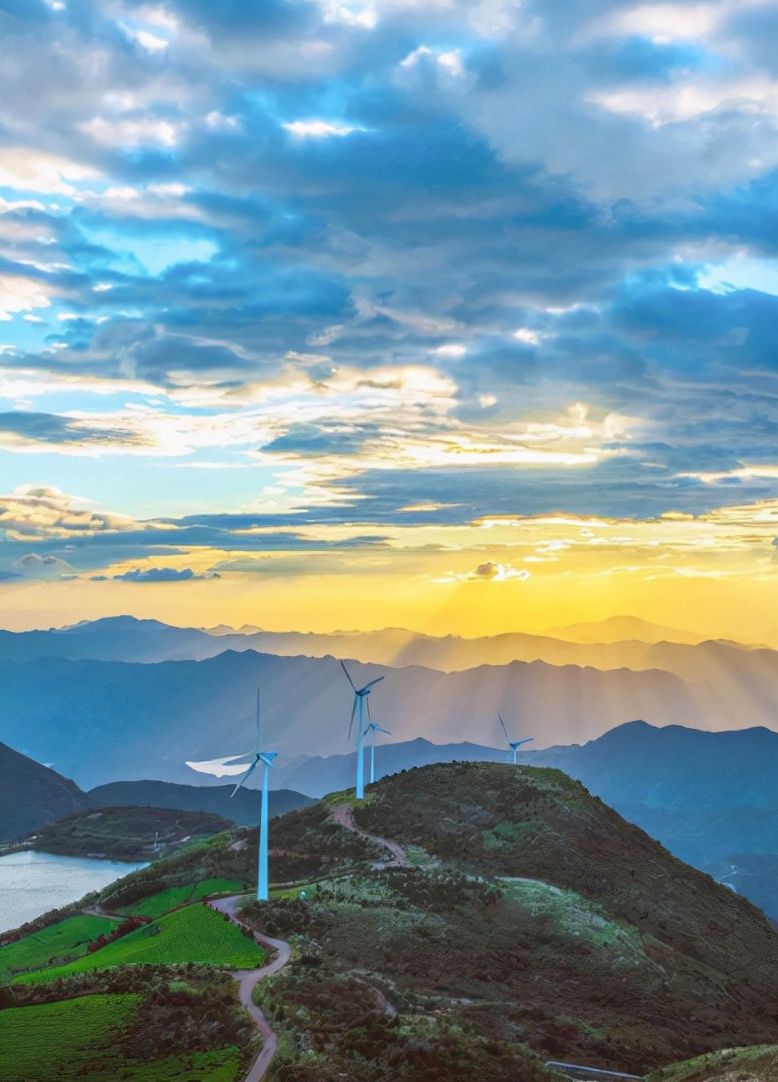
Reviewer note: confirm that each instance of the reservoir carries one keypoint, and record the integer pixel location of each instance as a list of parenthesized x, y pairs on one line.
[(31, 883)]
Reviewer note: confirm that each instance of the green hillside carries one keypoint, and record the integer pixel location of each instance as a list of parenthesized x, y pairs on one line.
[(68, 939), (194, 934), (523, 921)]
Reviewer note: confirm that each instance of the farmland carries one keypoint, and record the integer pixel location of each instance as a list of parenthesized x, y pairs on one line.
[(193, 934), (173, 897), (96, 1036), (68, 939)]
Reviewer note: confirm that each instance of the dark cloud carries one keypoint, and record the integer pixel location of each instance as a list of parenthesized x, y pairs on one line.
[(51, 428), (155, 574)]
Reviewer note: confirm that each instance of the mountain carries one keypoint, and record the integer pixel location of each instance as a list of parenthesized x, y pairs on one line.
[(708, 797), (243, 808), (616, 628), (733, 685), (105, 721), (525, 915), (31, 794), (126, 833)]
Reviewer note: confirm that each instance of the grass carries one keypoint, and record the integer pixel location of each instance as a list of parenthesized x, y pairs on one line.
[(68, 938), (74, 1038), (166, 900), (758, 1063), (576, 917), (62, 1040), (194, 934)]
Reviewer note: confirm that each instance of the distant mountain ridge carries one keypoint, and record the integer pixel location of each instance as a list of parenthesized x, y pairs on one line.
[(108, 721)]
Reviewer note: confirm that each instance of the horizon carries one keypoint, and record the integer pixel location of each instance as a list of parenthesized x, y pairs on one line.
[(550, 633)]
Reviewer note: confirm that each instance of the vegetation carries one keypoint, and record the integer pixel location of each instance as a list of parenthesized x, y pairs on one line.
[(755, 1064), (126, 833), (193, 934), (68, 940), (139, 1023), (334, 1026), (54, 1040), (531, 923), (174, 897)]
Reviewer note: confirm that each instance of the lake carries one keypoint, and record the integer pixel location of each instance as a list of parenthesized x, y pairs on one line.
[(32, 883)]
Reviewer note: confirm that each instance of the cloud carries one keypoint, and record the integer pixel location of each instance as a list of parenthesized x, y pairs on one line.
[(487, 572), (155, 574), (319, 245), (35, 566)]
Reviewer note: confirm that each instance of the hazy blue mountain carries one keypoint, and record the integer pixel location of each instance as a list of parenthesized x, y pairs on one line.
[(243, 808), (730, 685), (105, 721), (31, 794)]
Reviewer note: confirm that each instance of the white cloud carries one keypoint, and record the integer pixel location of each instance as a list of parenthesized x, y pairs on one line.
[(33, 170), (317, 129), (19, 294), (131, 132)]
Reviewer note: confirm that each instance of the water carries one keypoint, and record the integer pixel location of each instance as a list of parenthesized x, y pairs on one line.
[(32, 883)]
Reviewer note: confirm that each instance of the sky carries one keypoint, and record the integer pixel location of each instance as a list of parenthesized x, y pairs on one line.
[(459, 316)]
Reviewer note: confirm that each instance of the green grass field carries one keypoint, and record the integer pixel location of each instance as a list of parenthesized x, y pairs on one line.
[(75, 1038), (68, 938), (169, 899), (194, 934)]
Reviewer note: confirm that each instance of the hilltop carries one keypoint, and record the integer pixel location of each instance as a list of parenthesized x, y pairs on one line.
[(522, 915)]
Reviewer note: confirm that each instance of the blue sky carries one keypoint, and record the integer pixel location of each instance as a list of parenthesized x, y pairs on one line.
[(373, 263)]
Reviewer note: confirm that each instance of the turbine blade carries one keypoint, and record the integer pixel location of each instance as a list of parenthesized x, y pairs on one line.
[(526, 740), (387, 731), (258, 718), (372, 684), (245, 777), (219, 768), (345, 670), (367, 703), (353, 715), (503, 728)]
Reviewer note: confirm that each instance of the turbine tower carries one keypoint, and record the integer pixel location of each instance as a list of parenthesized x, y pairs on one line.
[(514, 745), (358, 711), (228, 767), (373, 728)]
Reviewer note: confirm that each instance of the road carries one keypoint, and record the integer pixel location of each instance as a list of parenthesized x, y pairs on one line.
[(343, 815), (247, 980)]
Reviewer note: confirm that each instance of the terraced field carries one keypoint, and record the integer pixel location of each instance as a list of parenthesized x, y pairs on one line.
[(165, 900), (194, 934), (68, 939), (74, 1038)]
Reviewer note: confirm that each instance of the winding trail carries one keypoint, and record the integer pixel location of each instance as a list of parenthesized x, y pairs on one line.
[(343, 815), (247, 980)]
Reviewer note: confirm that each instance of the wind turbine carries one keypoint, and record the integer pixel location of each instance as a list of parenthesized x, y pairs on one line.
[(373, 728), (228, 767), (514, 745), (358, 711)]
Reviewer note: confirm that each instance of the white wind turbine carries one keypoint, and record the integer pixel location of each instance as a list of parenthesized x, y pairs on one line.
[(514, 745), (228, 767), (373, 728), (358, 711)]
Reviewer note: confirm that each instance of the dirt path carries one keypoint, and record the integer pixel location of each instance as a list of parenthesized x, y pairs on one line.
[(343, 815), (247, 980)]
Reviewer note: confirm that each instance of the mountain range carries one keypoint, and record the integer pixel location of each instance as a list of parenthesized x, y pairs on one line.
[(33, 795), (100, 721)]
